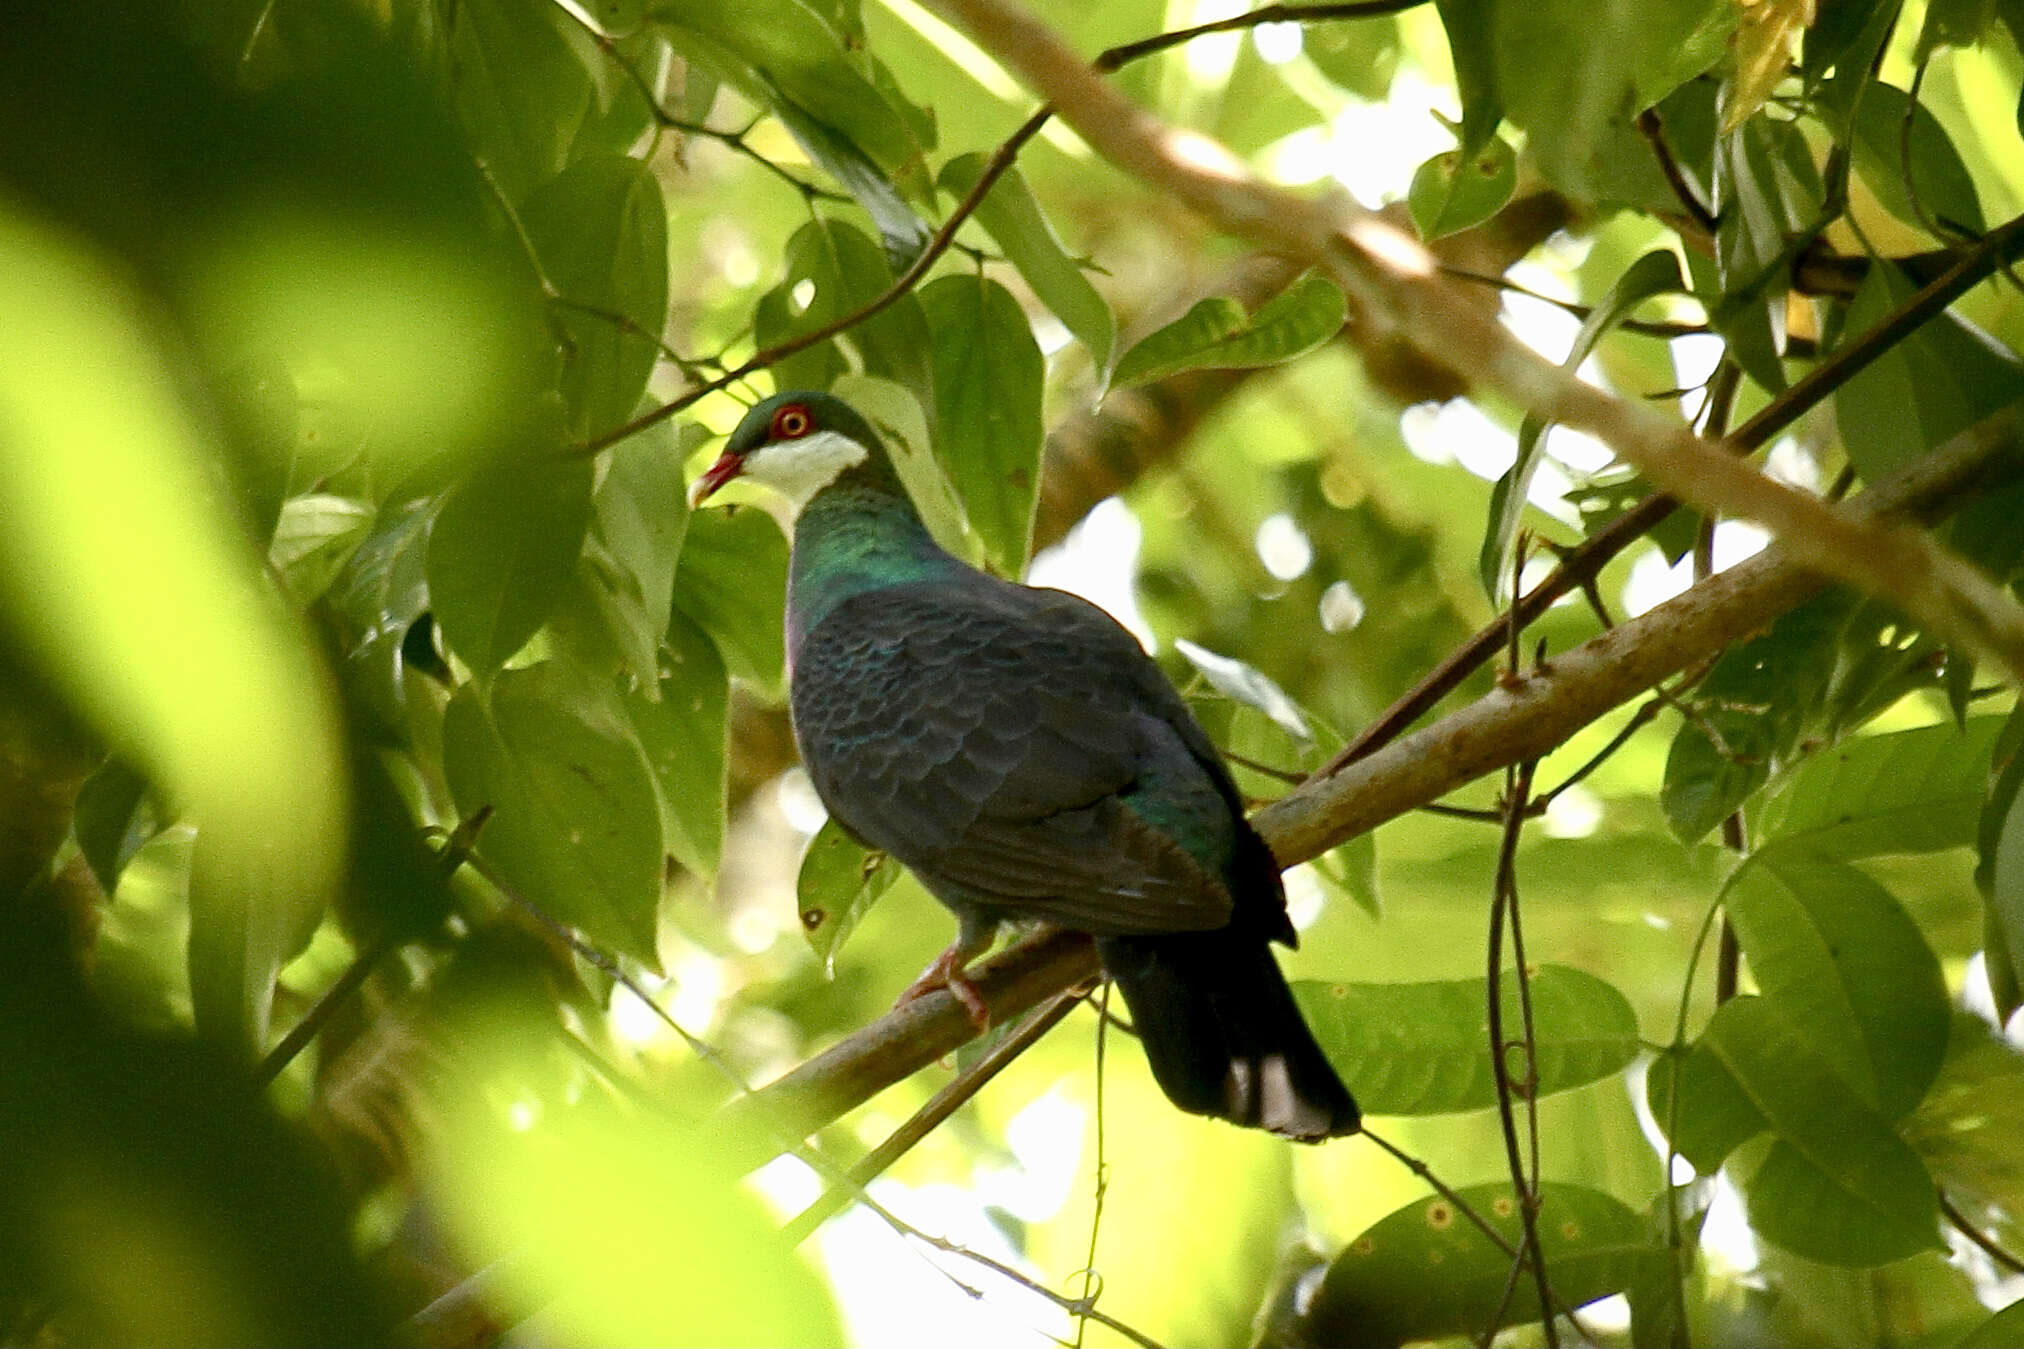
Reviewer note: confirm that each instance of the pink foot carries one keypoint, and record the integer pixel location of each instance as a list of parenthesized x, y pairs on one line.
[(947, 972)]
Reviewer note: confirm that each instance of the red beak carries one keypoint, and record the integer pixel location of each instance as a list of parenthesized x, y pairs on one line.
[(716, 475)]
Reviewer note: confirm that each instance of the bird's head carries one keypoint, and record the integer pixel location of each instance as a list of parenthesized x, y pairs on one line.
[(796, 443)]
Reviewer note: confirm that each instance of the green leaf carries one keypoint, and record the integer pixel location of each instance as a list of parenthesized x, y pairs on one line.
[(1423, 1049), (574, 826), (639, 515), (1248, 685), (1352, 869), (1966, 1129), (519, 86), (1717, 761), (788, 46), (1425, 1272), (375, 600), (1701, 1106), (1010, 214), (1839, 959), (1754, 706), (600, 232), (682, 730), (1838, 1186), (1940, 379), (1472, 45), (314, 538), (896, 415), (1656, 273), (1767, 193), (2001, 1331), (1451, 193), (504, 548), (988, 432), (1215, 334), (901, 231), (1905, 792), (846, 271), (839, 882), (113, 820), (1914, 169), (732, 582), (1999, 869)]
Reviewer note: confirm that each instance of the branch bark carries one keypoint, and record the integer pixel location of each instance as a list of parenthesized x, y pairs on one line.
[(1525, 721), (1394, 281)]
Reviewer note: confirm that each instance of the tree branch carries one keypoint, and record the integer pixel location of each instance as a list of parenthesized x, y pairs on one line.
[(1400, 288)]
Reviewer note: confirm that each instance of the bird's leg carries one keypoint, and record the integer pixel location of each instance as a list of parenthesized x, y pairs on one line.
[(973, 938)]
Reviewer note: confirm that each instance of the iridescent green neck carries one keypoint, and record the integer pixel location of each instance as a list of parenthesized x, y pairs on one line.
[(856, 536)]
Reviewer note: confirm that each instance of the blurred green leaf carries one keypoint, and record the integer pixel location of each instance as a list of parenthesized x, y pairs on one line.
[(800, 53), (839, 880), (901, 231), (1908, 160), (1767, 192), (731, 580), (1472, 29), (1450, 194), (1940, 379), (503, 549), (314, 538), (599, 230), (1966, 1128), (1383, 1289), (1012, 217), (574, 826), (619, 1228), (988, 431), (1216, 334), (519, 86), (114, 820), (1717, 762), (1655, 273), (169, 641), (682, 730), (1838, 958), (2001, 1330), (1423, 1049), (1248, 685)]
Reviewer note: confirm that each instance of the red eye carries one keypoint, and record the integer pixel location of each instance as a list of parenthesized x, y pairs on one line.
[(792, 422)]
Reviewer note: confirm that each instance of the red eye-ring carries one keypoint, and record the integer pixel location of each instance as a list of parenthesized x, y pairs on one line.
[(792, 422)]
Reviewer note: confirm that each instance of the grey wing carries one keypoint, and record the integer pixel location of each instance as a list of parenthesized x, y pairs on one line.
[(1001, 741)]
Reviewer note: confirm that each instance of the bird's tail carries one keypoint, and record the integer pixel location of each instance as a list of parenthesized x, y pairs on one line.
[(1223, 1033)]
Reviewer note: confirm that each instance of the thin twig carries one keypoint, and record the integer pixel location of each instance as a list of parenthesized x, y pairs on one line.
[(1111, 60), (994, 169), (456, 851), (1975, 1234), (1092, 1282), (1503, 904), (939, 1107), (1653, 130)]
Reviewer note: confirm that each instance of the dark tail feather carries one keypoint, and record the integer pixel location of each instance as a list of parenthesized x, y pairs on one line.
[(1224, 1036)]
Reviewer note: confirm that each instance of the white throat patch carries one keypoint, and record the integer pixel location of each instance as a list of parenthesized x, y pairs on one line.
[(798, 469)]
